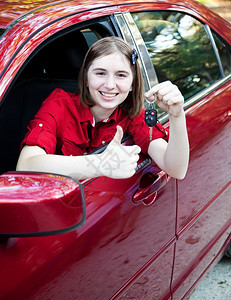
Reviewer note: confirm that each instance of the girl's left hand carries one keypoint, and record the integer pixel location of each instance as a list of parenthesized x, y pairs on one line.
[(169, 98)]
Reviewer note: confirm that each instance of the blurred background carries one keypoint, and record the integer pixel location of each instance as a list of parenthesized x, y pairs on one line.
[(221, 7)]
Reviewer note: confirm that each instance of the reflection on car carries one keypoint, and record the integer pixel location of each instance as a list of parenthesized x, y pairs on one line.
[(96, 239)]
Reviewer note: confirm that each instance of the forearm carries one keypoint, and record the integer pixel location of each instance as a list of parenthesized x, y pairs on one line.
[(79, 167), (116, 161), (177, 152), (173, 156)]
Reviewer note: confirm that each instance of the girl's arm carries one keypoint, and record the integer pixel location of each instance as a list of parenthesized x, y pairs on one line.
[(172, 157), (116, 161)]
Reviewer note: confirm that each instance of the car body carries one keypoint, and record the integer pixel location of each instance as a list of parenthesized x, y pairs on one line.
[(146, 237)]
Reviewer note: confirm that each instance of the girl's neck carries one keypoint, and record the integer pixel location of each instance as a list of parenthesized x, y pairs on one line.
[(101, 114)]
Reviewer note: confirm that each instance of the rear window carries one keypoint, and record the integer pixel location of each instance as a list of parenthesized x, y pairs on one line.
[(181, 51)]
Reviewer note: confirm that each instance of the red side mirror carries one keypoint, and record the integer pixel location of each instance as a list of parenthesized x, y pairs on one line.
[(36, 204)]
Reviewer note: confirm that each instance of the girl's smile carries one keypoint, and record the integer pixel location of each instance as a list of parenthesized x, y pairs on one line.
[(108, 96)]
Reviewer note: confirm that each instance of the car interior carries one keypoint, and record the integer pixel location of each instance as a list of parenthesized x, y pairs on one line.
[(55, 64)]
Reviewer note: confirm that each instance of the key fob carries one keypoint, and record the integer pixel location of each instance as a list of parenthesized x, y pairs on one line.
[(150, 117)]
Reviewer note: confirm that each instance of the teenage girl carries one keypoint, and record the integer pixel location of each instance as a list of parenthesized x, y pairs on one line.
[(109, 102)]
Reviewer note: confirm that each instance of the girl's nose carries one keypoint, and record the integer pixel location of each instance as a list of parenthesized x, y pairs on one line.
[(110, 82)]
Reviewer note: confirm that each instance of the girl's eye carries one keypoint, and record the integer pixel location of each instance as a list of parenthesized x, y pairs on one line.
[(100, 73), (121, 75)]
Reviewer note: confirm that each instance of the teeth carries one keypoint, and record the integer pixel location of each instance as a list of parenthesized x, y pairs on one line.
[(108, 95)]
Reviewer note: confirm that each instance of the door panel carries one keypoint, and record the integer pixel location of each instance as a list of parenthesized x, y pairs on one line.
[(204, 195), (209, 168), (177, 44), (154, 282), (118, 243), (200, 243)]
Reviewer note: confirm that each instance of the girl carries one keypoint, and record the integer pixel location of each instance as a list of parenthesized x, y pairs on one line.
[(109, 102)]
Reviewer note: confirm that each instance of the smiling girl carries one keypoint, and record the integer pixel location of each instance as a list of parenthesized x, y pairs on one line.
[(109, 102)]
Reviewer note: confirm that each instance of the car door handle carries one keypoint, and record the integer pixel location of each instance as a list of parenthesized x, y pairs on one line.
[(147, 193)]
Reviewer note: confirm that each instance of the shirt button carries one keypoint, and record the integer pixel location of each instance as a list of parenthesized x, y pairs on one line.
[(40, 125), (103, 142)]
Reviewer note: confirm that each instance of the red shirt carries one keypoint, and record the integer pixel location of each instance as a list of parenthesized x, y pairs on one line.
[(64, 126)]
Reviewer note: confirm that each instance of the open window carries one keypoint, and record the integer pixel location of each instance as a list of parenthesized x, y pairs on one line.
[(54, 64)]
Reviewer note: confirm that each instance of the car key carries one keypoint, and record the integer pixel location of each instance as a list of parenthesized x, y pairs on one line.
[(151, 116)]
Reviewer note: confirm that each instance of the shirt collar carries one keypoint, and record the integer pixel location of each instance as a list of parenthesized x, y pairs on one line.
[(86, 114)]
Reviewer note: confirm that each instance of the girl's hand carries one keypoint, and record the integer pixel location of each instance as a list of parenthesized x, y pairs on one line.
[(117, 160), (169, 98)]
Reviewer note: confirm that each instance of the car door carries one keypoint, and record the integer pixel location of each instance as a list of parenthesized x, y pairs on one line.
[(125, 248), (198, 60)]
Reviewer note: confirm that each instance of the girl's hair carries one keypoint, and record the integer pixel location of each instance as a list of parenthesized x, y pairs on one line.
[(106, 46)]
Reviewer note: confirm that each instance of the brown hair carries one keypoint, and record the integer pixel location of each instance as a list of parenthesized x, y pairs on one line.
[(105, 46)]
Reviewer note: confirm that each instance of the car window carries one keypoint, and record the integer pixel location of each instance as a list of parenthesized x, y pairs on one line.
[(181, 51), (54, 64)]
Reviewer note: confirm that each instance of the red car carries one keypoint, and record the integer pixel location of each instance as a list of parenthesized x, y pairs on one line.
[(146, 237)]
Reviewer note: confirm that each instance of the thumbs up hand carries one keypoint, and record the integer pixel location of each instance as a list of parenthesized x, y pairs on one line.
[(119, 161)]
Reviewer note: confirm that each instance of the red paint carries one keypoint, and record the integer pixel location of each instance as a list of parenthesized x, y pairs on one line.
[(158, 246), (36, 203)]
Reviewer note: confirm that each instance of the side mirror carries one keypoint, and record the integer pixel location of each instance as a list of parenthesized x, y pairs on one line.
[(39, 204)]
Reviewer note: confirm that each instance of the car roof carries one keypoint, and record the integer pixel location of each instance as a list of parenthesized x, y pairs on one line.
[(12, 12), (16, 11)]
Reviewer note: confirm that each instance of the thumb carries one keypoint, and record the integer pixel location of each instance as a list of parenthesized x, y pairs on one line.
[(119, 135)]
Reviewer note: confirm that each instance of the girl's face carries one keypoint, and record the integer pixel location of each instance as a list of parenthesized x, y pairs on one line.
[(109, 80)]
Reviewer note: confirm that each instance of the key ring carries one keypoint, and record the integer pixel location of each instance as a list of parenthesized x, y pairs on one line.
[(151, 103)]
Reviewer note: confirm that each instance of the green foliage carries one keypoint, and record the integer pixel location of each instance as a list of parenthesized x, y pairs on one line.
[(180, 50)]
